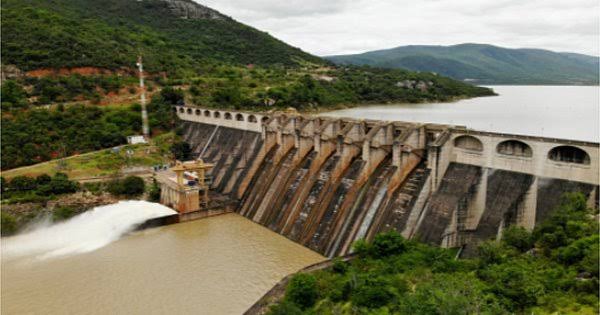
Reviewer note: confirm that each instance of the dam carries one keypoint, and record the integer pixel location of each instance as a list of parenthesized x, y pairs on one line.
[(327, 182)]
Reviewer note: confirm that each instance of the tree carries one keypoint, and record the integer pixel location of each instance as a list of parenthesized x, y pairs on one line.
[(154, 193), (129, 186), (518, 237), (13, 95), (372, 293), (387, 244), (22, 183), (302, 290), (172, 96), (59, 184), (43, 179)]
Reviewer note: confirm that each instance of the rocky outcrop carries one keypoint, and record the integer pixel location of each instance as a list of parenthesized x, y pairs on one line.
[(10, 72), (187, 9)]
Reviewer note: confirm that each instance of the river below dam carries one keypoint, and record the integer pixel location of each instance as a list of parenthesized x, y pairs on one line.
[(218, 265), (564, 112)]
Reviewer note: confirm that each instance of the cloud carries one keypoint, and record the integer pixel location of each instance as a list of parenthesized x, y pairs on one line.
[(261, 9), (345, 26)]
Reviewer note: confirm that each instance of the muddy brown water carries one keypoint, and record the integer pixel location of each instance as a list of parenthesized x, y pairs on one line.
[(218, 265)]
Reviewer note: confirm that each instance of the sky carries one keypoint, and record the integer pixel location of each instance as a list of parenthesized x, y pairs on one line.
[(330, 27)]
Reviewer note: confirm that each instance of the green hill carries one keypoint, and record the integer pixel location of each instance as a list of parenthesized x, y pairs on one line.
[(485, 64), (175, 36), (56, 54)]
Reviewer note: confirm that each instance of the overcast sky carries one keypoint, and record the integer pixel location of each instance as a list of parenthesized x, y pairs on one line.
[(327, 27)]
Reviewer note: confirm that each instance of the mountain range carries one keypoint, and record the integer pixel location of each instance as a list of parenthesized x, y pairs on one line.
[(485, 64)]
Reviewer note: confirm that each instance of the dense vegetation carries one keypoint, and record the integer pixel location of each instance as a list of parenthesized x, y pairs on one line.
[(111, 33), (37, 191), (210, 60), (42, 187), (37, 135), (61, 89), (223, 62), (485, 64), (326, 87), (129, 186), (32, 134), (554, 269)]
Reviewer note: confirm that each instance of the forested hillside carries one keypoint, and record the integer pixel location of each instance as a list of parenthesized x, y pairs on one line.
[(485, 64), (81, 54), (111, 33)]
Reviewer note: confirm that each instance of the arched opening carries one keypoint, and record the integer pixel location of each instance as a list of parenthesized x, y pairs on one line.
[(228, 116), (181, 110), (252, 119), (569, 154), (207, 113), (265, 119), (198, 112), (239, 117), (217, 115), (468, 143), (189, 111), (175, 109), (514, 148)]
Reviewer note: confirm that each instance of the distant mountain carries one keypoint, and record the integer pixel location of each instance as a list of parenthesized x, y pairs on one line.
[(172, 35), (485, 64)]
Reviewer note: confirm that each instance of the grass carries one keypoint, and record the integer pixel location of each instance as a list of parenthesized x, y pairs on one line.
[(103, 162)]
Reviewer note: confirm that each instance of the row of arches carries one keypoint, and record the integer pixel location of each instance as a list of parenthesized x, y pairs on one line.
[(562, 153), (217, 114)]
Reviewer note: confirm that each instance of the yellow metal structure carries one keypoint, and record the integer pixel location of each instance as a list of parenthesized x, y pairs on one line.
[(200, 168)]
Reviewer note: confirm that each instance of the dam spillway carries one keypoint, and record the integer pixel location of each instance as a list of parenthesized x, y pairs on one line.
[(325, 182)]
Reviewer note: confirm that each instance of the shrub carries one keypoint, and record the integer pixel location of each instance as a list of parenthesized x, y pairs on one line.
[(22, 183), (154, 193), (59, 184), (62, 213), (518, 237), (129, 186), (339, 266), (372, 293), (8, 223), (133, 186), (43, 179), (361, 248), (388, 244), (285, 308), (302, 290)]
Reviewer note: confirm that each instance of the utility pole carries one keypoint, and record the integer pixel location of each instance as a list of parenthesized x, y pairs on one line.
[(145, 129)]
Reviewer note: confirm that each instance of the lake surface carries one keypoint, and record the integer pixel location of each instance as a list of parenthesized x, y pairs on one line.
[(566, 112), (219, 265)]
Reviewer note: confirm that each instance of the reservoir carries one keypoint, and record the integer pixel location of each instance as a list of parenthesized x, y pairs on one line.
[(218, 265), (564, 112)]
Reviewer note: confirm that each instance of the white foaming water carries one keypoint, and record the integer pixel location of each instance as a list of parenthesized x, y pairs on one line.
[(83, 233)]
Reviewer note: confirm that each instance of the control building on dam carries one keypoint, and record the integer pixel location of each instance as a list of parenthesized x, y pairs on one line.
[(326, 182)]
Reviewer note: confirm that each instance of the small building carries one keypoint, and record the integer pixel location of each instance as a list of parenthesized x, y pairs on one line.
[(185, 186), (136, 139)]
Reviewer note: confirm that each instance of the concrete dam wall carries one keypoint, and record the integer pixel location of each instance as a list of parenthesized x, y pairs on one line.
[(325, 183)]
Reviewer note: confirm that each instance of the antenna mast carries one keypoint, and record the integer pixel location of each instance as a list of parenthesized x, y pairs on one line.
[(145, 129)]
